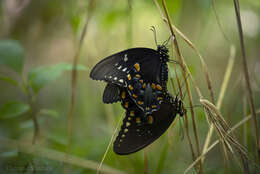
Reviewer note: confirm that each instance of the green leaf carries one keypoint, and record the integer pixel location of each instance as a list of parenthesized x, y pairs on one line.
[(8, 80), (13, 109), (75, 20), (49, 112), (41, 76), (12, 55), (28, 124)]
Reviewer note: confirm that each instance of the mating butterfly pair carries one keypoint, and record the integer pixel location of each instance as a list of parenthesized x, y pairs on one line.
[(138, 77)]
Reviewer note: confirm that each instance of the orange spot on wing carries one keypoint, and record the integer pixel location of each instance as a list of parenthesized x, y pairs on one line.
[(137, 66), (159, 87)]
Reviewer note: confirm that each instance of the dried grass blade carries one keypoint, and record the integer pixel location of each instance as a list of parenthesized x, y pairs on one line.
[(247, 79), (109, 145), (217, 141), (222, 129)]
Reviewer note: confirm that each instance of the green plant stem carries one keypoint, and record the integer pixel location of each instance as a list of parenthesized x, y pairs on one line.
[(35, 119), (55, 155), (31, 100), (246, 74)]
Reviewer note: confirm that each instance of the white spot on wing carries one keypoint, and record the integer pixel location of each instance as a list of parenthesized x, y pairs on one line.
[(119, 67), (124, 69), (125, 58), (121, 80), (115, 78)]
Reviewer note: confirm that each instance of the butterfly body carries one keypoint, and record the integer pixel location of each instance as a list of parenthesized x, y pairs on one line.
[(146, 95)]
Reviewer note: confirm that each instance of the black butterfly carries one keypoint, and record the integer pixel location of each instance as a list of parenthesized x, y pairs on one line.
[(139, 130), (141, 70), (138, 77)]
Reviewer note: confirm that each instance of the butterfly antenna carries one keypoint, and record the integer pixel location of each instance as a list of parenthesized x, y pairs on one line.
[(154, 32), (167, 41)]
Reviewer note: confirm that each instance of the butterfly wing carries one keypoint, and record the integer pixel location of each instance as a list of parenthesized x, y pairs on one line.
[(114, 68), (137, 132), (111, 93)]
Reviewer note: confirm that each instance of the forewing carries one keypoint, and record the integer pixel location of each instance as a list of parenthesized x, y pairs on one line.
[(114, 68), (135, 135)]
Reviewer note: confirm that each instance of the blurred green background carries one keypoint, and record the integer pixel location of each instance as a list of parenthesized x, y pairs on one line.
[(37, 46)]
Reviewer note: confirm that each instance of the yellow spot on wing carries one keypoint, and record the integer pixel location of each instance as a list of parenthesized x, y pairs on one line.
[(137, 66), (140, 102), (159, 87), (150, 119), (123, 95), (126, 105), (138, 120), (153, 86), (130, 87), (159, 98), (132, 113), (137, 76), (128, 124), (129, 77)]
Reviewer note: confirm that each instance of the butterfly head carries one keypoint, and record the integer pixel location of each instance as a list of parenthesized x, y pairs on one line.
[(162, 48)]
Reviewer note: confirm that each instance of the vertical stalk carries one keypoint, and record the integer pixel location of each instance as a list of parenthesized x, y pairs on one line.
[(74, 74), (130, 24), (186, 83), (246, 74), (31, 100), (185, 114)]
